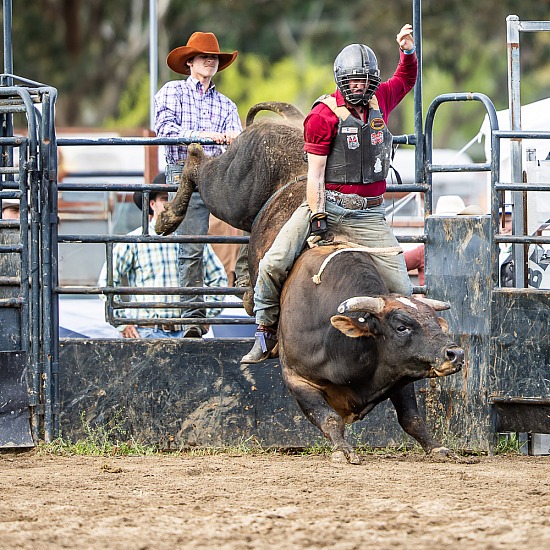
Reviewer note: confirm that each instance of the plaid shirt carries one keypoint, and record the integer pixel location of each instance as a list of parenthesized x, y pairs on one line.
[(156, 265), (182, 107)]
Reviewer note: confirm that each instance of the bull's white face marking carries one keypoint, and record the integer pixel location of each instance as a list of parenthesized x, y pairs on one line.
[(407, 302)]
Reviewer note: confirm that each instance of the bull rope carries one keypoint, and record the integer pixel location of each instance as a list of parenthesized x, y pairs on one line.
[(388, 251)]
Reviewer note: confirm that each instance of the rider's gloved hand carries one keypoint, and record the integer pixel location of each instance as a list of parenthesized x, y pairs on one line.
[(318, 224)]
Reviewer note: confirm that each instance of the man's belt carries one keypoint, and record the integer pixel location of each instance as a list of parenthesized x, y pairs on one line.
[(352, 201), (165, 328)]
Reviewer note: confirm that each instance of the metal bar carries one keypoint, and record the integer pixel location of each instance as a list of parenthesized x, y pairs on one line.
[(153, 60), (524, 134), (523, 186), (514, 104), (153, 239), (405, 139), (8, 46), (105, 174), (11, 302), (25, 279), (186, 321), (419, 152), (519, 400), (6, 248), (10, 281), (49, 178), (13, 109), (533, 26), (11, 140), (67, 142), (34, 356), (474, 167), (164, 291), (176, 305), (46, 293), (522, 239)]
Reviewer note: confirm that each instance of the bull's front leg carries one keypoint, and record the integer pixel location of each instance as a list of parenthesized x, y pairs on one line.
[(320, 414), (404, 401)]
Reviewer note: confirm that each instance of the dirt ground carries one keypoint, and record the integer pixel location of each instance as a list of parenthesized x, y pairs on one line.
[(273, 501)]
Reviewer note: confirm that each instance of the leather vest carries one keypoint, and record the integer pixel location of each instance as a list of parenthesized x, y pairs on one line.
[(360, 153)]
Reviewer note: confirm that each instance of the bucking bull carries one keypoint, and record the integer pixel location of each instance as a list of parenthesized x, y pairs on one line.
[(345, 342)]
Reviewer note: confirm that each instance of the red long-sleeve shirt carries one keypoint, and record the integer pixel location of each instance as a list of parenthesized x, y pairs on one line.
[(321, 124)]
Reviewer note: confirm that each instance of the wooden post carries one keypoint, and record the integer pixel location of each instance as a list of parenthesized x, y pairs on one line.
[(151, 158)]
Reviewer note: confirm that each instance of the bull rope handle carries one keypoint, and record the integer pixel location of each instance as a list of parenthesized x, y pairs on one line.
[(388, 251)]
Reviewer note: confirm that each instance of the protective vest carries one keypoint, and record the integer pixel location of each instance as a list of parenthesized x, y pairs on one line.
[(360, 153)]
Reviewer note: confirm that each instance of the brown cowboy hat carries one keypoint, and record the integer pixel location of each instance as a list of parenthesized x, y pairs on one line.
[(199, 43)]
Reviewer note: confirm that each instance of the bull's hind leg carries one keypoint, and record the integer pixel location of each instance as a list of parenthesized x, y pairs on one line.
[(320, 414), (404, 401)]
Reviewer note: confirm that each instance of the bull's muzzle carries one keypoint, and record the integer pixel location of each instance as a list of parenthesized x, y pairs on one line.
[(454, 361)]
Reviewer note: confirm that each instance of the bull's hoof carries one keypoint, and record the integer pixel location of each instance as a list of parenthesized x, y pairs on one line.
[(442, 454), (338, 457), (342, 457), (167, 222)]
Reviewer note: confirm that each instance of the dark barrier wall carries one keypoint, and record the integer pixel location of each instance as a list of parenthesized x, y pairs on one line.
[(194, 392), (520, 372), (458, 271)]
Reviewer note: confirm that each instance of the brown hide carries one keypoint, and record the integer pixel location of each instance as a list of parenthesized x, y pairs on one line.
[(236, 184), (271, 219)]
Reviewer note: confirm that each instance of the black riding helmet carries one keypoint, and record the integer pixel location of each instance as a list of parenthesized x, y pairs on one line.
[(354, 62)]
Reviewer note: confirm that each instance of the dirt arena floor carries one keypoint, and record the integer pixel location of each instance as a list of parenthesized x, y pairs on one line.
[(273, 501)]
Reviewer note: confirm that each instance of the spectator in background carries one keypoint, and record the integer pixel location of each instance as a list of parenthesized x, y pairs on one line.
[(10, 209), (227, 253), (414, 260), (156, 265), (193, 108)]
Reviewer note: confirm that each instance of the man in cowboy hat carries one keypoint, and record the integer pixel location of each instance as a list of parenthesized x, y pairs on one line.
[(155, 265), (10, 209), (193, 108)]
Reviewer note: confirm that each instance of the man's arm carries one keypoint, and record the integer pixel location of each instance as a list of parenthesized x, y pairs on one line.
[(393, 90), (316, 182), (122, 262), (316, 193), (233, 125)]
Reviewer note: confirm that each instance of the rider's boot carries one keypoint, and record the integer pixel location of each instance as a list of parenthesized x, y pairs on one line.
[(265, 345)]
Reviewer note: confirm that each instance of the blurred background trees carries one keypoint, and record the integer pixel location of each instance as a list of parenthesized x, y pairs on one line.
[(95, 53)]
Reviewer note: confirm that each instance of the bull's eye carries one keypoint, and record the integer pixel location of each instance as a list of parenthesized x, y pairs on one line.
[(402, 329)]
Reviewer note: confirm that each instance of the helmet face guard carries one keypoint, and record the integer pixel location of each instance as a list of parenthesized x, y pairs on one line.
[(356, 63)]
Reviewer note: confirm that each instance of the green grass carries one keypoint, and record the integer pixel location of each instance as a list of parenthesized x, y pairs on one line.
[(111, 439), (509, 443), (100, 440)]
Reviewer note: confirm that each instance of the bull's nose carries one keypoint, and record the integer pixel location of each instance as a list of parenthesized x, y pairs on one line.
[(455, 356)]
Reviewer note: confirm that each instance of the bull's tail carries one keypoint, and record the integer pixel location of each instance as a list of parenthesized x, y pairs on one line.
[(286, 110)]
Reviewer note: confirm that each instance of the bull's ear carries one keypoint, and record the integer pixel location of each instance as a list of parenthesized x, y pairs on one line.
[(443, 324), (352, 328)]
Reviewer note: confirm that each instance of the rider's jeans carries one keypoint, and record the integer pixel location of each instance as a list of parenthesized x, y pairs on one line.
[(362, 227)]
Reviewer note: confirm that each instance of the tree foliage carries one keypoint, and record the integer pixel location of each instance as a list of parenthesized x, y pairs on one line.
[(96, 52)]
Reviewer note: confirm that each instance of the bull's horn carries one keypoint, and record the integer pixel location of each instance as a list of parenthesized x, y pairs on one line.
[(368, 304), (438, 305)]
